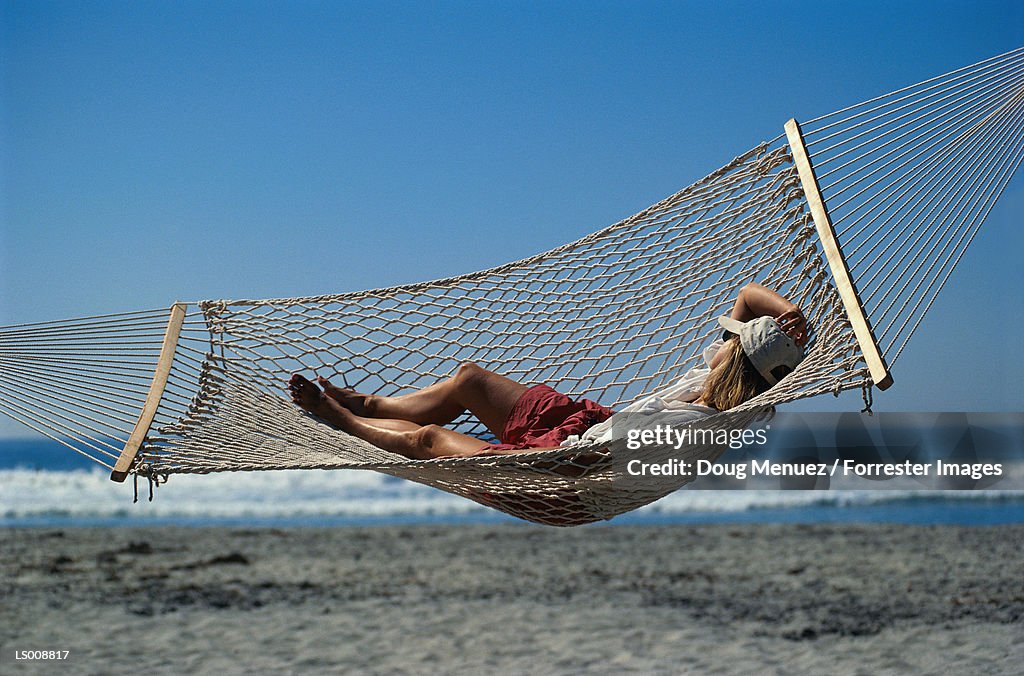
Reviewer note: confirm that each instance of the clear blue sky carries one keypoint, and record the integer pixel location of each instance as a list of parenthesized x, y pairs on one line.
[(154, 151)]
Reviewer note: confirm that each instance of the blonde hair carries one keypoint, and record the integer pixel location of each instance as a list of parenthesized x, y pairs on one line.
[(734, 380)]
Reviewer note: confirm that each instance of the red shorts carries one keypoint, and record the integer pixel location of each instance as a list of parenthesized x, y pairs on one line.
[(542, 417)]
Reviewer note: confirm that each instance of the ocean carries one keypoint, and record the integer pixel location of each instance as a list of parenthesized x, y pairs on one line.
[(42, 484)]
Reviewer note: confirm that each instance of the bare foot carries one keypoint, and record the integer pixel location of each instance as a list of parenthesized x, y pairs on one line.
[(309, 398), (350, 399)]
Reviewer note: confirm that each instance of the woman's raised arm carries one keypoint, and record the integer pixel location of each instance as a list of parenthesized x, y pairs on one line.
[(755, 300)]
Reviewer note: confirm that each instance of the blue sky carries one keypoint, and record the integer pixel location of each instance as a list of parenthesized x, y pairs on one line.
[(154, 151)]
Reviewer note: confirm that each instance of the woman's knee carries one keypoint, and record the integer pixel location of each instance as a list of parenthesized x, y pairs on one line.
[(434, 441), (427, 438), (469, 372)]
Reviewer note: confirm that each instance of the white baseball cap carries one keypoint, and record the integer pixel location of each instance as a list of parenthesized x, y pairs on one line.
[(765, 344)]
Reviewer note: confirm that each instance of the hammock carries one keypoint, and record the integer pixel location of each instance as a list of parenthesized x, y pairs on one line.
[(907, 178)]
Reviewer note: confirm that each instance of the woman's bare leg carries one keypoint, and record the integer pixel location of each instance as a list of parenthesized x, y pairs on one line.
[(485, 394), (420, 442)]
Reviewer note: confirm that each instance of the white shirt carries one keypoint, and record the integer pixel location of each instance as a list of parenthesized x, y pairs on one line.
[(677, 398)]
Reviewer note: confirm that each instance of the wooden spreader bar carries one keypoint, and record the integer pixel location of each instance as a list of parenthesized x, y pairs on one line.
[(156, 392), (877, 367)]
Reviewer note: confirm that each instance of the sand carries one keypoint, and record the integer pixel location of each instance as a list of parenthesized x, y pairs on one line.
[(516, 599)]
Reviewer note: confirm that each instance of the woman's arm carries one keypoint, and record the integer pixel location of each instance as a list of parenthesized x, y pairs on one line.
[(756, 301)]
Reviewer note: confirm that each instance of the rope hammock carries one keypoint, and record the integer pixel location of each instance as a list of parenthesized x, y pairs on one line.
[(907, 178)]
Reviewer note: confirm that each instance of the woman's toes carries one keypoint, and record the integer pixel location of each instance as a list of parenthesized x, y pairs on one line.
[(304, 393), (333, 391)]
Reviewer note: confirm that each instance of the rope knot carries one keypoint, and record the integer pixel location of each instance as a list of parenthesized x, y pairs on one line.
[(867, 396), (213, 311)]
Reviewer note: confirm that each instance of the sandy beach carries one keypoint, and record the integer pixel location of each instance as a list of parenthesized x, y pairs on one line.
[(516, 599)]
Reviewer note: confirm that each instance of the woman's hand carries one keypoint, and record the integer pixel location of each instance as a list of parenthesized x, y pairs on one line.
[(794, 324)]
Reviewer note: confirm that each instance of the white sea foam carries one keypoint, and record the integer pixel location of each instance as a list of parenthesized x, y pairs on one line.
[(29, 493), (43, 494)]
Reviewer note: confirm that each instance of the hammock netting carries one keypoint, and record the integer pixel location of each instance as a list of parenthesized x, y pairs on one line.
[(907, 177)]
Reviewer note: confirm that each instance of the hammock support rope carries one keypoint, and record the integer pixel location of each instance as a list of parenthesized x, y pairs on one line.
[(908, 179)]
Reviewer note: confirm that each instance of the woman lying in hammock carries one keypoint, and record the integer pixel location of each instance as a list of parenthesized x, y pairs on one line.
[(764, 340)]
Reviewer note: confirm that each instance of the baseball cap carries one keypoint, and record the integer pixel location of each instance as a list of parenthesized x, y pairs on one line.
[(765, 344)]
